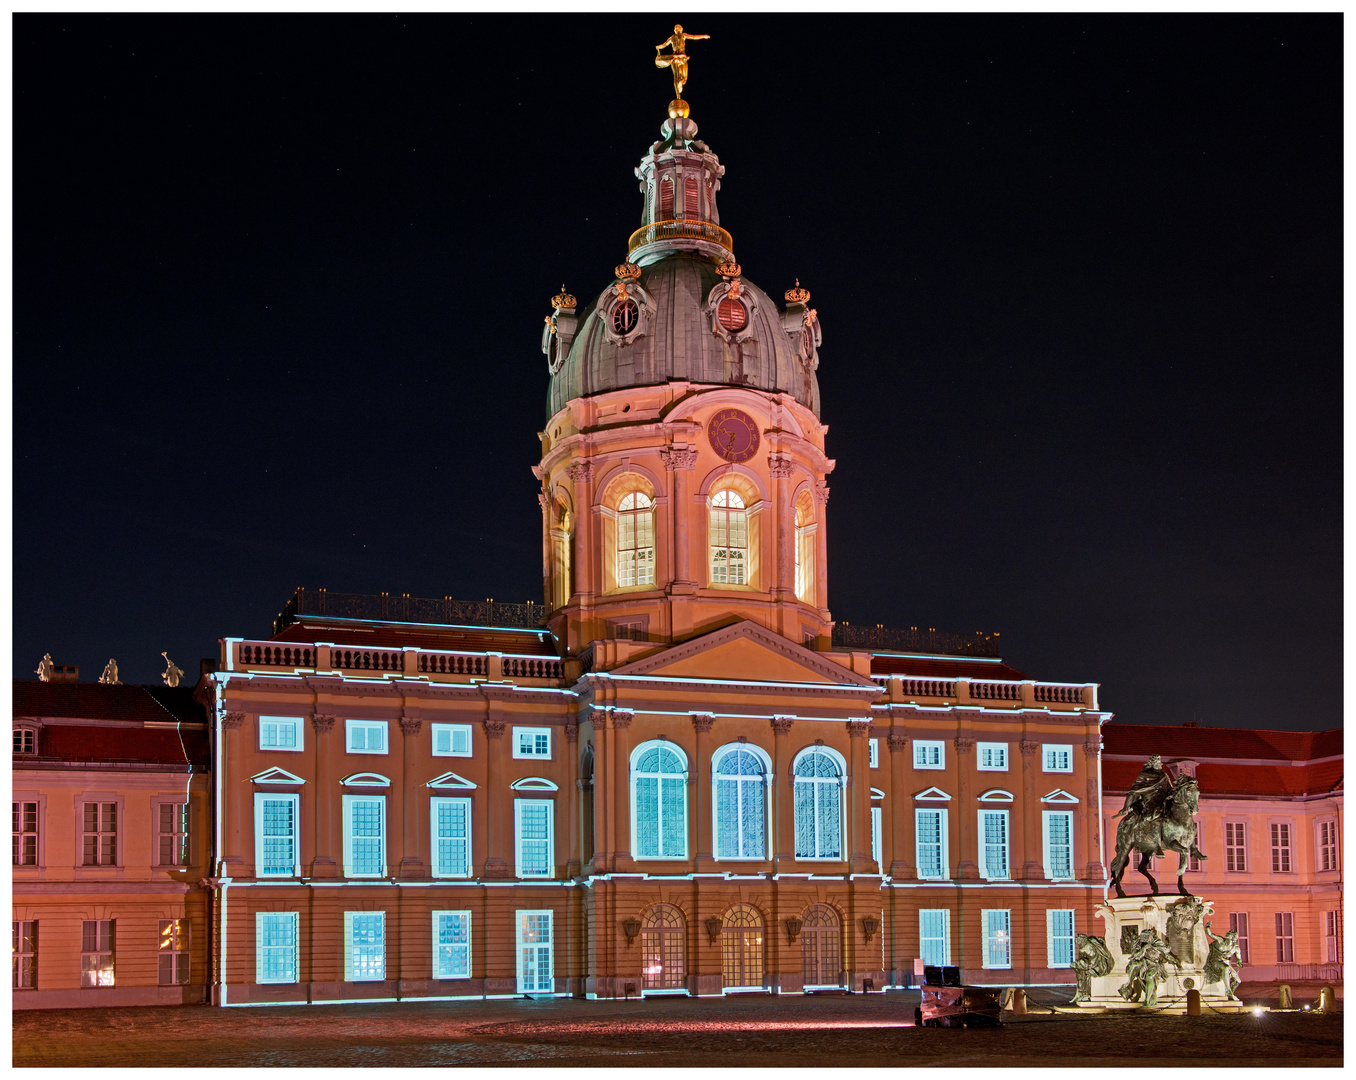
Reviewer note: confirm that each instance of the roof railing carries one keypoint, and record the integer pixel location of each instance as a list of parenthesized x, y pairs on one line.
[(915, 639), (406, 608)]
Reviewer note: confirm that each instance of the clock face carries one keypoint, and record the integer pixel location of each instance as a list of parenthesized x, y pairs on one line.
[(733, 435)]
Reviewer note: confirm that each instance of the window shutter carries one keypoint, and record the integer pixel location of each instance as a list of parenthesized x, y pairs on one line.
[(666, 199), (690, 191)]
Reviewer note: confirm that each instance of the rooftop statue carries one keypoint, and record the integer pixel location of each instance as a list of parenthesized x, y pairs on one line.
[(110, 675), (45, 668), (173, 673), (677, 60), (1157, 815)]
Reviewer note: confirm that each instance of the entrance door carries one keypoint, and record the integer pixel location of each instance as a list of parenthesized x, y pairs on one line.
[(742, 948), (663, 948), (821, 950), (534, 952)]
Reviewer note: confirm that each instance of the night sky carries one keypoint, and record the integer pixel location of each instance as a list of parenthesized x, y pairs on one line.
[(279, 285)]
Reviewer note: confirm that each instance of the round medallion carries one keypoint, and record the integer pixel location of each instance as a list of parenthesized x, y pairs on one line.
[(733, 435)]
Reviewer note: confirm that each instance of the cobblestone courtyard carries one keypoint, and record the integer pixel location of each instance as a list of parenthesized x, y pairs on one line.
[(754, 1031)]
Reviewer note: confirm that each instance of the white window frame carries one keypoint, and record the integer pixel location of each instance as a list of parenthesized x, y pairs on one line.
[(1051, 754), (435, 804), (104, 946), (1285, 937), (534, 733), (351, 947), (546, 949), (986, 868), (1047, 816), (518, 805), (278, 723), (877, 824), (917, 844), (762, 755), (734, 565), (349, 802), (635, 564), (997, 753), (636, 776), (259, 947), (1052, 916), (873, 753), (260, 798), (452, 731), (1332, 936), (1282, 852), (945, 939), (1325, 845), (819, 784), (172, 932), (452, 969), (996, 931), (1239, 922), (1238, 851), (366, 726), (926, 747)]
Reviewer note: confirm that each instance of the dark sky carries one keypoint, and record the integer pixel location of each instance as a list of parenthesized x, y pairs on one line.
[(279, 285)]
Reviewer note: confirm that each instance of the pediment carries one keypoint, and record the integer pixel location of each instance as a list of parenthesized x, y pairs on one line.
[(1059, 795), (933, 794), (745, 652), (276, 776), (450, 780), (996, 795)]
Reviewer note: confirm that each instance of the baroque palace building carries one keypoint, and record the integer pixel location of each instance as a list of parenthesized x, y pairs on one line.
[(678, 775)]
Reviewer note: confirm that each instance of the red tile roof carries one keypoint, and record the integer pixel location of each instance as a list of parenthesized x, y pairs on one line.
[(943, 669)]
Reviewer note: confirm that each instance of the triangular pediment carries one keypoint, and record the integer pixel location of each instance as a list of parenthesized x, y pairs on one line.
[(933, 794), (450, 780), (1059, 795), (746, 652), (276, 776)]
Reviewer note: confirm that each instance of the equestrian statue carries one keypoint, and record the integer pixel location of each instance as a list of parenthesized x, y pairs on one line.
[(1158, 815)]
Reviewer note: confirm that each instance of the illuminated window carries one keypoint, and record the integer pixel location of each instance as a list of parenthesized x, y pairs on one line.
[(173, 952), (1285, 937), (1280, 847), (732, 314), (96, 952), (275, 835), (1058, 844), (659, 801), (1238, 922), (741, 952), (819, 783), (997, 925), (729, 539), (741, 778), (451, 837), (364, 836), (663, 948), (635, 540), (805, 549), (451, 944), (533, 826), (930, 843), (534, 952), (172, 836), (934, 936), (625, 315), (275, 946), (280, 733), (993, 843), (1235, 848), (25, 833), (365, 946), (1059, 937), (25, 953)]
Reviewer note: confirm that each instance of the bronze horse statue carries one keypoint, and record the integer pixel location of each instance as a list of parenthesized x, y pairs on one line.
[(1173, 828)]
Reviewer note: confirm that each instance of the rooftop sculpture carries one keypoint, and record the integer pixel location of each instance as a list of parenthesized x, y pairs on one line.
[(677, 60), (110, 674), (173, 673)]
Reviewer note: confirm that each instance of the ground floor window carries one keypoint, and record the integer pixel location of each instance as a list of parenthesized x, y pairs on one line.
[(451, 944), (25, 956), (1333, 927), (275, 947), (173, 952), (742, 947), (1285, 937), (1238, 922), (1059, 934), (934, 936), (365, 938), (997, 937), (663, 948), (821, 947), (96, 952), (534, 952)]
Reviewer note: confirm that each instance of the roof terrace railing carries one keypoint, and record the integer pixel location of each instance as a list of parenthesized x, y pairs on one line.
[(405, 608), (915, 640)]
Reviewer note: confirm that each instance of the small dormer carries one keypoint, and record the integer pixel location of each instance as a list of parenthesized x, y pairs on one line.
[(26, 736)]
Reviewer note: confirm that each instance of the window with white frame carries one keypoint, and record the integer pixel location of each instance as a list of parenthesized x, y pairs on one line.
[(172, 834), (1285, 937), (533, 826), (276, 828), (820, 778), (1332, 932), (364, 836), (280, 733), (928, 754), (96, 952), (366, 736), (934, 936), (659, 801), (635, 540), (741, 777), (1280, 847), (173, 952), (1059, 937), (930, 843), (275, 947), (364, 946), (451, 944), (534, 952), (997, 925), (1056, 758), (25, 740), (991, 756), (100, 834), (1058, 844), (532, 742), (1235, 848), (1327, 845), (876, 817), (993, 844), (25, 833), (729, 539), (451, 740), (873, 753), (25, 968), (451, 834), (1238, 922), (805, 547)]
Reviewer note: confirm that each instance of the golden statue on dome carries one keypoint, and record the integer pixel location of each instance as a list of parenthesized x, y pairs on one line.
[(677, 60)]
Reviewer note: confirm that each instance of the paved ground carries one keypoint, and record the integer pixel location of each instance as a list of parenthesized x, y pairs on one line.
[(853, 1030)]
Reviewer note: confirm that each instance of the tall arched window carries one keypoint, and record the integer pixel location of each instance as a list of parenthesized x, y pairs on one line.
[(819, 783), (663, 948), (561, 544), (805, 548), (729, 539), (666, 199), (821, 947), (741, 952), (635, 540), (659, 801), (690, 197), (741, 779)]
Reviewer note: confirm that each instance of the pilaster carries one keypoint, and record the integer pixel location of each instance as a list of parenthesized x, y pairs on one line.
[(324, 864), (411, 865)]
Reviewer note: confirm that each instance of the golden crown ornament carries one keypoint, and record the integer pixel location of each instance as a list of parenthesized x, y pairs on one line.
[(563, 299), (730, 269), (797, 295), (627, 271)]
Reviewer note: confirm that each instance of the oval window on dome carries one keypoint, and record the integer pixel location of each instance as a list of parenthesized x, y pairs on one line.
[(625, 316), (732, 314), (808, 339)]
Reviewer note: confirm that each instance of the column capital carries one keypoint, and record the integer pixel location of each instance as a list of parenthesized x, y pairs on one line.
[(1028, 749), (410, 725), (581, 472), (780, 466), (781, 725), (964, 746), (572, 733), (323, 723), (232, 721), (896, 741), (821, 492), (703, 721), (494, 728), (679, 458), (1092, 747), (621, 719), (858, 729)]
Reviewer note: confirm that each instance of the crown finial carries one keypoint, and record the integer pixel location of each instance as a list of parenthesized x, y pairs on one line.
[(627, 271), (797, 295), (563, 299), (729, 269)]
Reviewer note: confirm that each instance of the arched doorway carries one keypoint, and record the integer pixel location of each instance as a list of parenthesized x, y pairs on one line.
[(663, 949), (742, 947), (821, 947)]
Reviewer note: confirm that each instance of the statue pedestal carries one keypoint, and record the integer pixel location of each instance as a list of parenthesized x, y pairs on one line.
[(1177, 919)]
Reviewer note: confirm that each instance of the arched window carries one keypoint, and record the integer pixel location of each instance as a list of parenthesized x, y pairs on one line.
[(666, 199), (741, 950), (561, 543), (635, 540), (729, 539), (663, 948), (819, 782), (659, 801), (805, 548), (821, 947), (741, 778), (690, 196)]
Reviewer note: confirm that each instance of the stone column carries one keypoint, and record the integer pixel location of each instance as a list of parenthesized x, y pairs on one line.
[(1032, 866), (783, 796), (234, 792), (901, 866), (784, 573), (549, 570), (681, 460), (1092, 808), (602, 793), (323, 797), (965, 812), (411, 865), (587, 568), (859, 798), (573, 852), (497, 796), (822, 544), (621, 773), (700, 781)]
